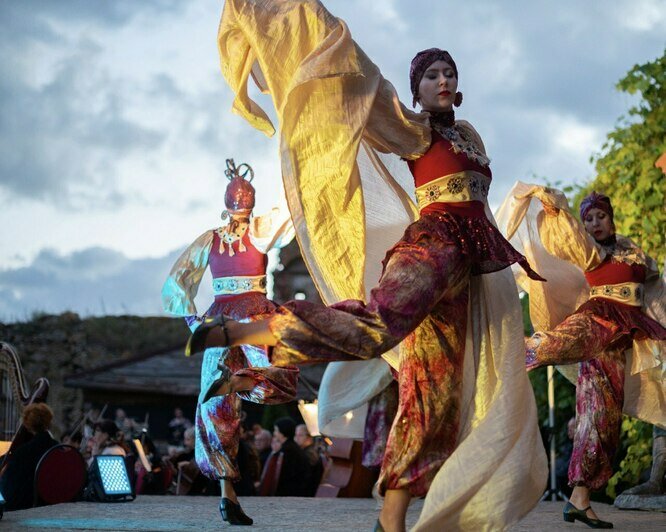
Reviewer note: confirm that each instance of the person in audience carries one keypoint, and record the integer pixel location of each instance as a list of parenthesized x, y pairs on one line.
[(306, 442), (262, 443), (72, 438), (187, 475), (177, 427), (106, 440), (17, 482), (295, 473)]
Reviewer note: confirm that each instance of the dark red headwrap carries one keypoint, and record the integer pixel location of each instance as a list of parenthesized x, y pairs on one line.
[(596, 201), (420, 64)]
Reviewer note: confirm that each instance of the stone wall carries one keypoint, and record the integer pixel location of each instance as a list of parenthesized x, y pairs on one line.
[(55, 346)]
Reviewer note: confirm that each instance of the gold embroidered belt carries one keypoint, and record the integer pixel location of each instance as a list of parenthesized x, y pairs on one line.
[(224, 286), (627, 293), (461, 186)]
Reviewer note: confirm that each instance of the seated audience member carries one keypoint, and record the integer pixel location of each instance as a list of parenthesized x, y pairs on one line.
[(125, 424), (262, 443), (306, 442), (187, 476), (72, 438), (295, 473), (17, 482), (153, 482), (187, 453), (106, 440), (177, 427)]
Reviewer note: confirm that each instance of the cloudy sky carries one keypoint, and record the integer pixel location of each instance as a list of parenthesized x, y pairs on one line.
[(115, 122)]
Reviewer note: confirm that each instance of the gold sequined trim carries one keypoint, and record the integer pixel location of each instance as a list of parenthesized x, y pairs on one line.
[(461, 186), (627, 293)]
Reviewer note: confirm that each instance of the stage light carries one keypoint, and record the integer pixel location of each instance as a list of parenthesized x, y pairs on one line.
[(309, 413), (110, 479)]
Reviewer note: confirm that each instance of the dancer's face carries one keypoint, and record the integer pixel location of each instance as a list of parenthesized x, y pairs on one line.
[(598, 224), (238, 225), (438, 87)]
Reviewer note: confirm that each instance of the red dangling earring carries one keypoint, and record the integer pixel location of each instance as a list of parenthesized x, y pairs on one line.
[(459, 99)]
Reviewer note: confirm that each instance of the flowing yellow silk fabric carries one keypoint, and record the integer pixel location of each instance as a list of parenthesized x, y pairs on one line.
[(306, 59)]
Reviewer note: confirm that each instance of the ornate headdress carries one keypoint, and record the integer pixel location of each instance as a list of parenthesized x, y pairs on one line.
[(420, 64), (238, 200), (596, 201), (239, 196)]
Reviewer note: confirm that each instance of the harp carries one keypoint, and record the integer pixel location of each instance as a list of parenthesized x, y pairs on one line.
[(14, 397)]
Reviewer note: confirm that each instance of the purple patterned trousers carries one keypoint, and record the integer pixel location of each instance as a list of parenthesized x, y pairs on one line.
[(593, 342), (218, 420), (422, 298)]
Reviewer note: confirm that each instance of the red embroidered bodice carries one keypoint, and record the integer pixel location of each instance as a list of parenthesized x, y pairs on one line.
[(440, 160), (610, 272), (251, 262)]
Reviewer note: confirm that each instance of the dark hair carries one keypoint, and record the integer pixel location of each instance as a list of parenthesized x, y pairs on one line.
[(287, 427), (107, 427)]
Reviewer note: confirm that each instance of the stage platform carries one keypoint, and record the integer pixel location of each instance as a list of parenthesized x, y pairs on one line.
[(170, 513)]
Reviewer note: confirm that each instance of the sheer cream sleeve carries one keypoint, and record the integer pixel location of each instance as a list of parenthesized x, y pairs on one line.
[(273, 230), (181, 286), (562, 234)]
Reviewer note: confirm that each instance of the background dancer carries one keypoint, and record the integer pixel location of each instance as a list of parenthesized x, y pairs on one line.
[(459, 383), (236, 255), (597, 334)]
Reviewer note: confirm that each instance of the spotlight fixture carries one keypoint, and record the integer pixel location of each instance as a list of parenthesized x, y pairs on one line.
[(110, 481)]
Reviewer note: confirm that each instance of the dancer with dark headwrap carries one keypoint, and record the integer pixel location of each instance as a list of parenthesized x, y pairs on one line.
[(236, 256), (598, 333), (446, 291)]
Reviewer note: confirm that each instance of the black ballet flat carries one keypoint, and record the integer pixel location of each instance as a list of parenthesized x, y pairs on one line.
[(233, 514), (197, 341), (572, 514)]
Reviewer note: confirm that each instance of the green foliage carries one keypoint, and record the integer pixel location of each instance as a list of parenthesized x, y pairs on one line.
[(271, 414), (525, 306), (636, 447), (625, 166)]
